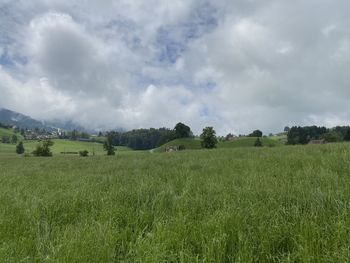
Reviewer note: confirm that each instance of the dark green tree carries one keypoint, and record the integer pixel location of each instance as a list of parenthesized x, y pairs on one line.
[(347, 135), (43, 149), (20, 148), (14, 139), (182, 130), (108, 145), (258, 142), (256, 133), (208, 138)]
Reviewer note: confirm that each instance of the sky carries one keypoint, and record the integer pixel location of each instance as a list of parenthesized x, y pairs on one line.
[(236, 65)]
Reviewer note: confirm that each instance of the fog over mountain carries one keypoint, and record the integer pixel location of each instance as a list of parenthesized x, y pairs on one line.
[(236, 65)]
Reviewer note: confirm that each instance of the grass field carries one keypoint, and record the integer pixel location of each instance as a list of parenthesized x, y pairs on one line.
[(61, 146), (280, 204)]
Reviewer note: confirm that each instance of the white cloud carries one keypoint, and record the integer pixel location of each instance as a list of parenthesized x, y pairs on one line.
[(237, 65)]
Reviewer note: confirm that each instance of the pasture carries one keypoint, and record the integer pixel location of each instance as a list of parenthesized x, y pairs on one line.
[(279, 204), (60, 146)]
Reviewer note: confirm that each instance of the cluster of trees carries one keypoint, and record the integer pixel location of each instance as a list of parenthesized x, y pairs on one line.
[(256, 133), (43, 149), (303, 135), (74, 135), (145, 139), (9, 139)]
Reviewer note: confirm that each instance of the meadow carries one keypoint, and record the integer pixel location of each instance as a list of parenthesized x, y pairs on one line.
[(278, 204), (59, 147)]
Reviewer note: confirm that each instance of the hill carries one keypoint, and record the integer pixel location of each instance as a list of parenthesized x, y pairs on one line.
[(12, 118), (248, 142), (195, 144), (189, 143), (9, 133)]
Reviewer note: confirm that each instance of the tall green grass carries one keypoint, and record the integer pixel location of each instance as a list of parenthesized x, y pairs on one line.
[(282, 204)]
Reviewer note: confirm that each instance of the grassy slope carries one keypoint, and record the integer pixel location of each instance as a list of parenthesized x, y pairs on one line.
[(282, 204), (248, 142), (190, 144), (9, 133), (195, 144), (62, 146)]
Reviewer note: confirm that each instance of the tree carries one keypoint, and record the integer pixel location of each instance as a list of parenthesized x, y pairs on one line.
[(258, 142), (286, 129), (108, 145), (208, 138), (14, 139), (256, 133), (5, 139), (43, 149), (347, 135), (182, 130), (20, 148)]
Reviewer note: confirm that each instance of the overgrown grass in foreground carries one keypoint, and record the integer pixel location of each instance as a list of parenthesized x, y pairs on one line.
[(288, 204)]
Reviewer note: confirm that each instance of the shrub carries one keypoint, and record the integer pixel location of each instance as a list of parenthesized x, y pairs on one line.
[(43, 149), (182, 147), (84, 153), (20, 148), (258, 143)]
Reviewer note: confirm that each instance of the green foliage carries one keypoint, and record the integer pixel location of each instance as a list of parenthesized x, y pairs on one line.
[(182, 130), (303, 135), (5, 139), (20, 148), (182, 147), (347, 135), (282, 204), (256, 133), (286, 129), (84, 153), (332, 136), (143, 139), (14, 139), (108, 145), (43, 149), (208, 138), (258, 142)]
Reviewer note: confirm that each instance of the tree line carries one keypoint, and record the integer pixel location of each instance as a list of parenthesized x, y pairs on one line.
[(145, 139), (303, 135)]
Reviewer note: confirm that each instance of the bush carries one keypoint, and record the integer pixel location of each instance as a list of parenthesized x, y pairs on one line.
[(20, 148), (84, 153), (43, 149), (182, 147), (258, 143)]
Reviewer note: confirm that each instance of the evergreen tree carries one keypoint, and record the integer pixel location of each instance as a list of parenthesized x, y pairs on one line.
[(20, 148), (347, 135), (108, 145)]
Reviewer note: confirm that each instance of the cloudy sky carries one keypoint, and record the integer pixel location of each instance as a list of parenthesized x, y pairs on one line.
[(237, 65)]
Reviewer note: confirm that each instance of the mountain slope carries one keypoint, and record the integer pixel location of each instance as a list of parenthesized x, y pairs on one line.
[(12, 118), (9, 117)]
